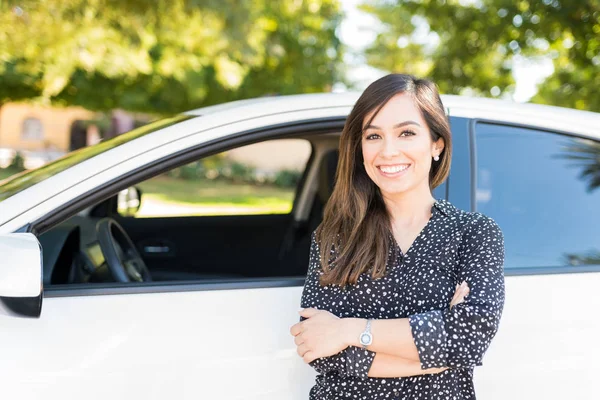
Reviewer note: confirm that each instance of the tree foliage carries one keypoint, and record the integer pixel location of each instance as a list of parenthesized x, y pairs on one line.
[(167, 55), (471, 45)]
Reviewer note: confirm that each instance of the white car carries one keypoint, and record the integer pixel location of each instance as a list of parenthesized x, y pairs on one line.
[(195, 302)]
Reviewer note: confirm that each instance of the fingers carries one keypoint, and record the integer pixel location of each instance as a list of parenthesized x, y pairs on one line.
[(309, 356), (298, 340), (461, 292), (436, 370), (296, 329), (306, 354), (308, 312), (302, 350)]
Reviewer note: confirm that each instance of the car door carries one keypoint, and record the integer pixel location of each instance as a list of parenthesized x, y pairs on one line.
[(204, 339), (541, 187), (189, 343)]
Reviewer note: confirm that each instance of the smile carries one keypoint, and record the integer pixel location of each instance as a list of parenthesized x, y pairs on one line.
[(393, 170)]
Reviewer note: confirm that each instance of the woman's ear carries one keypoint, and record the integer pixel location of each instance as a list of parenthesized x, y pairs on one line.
[(437, 147)]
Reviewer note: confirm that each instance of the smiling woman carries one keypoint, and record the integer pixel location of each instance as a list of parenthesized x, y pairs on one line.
[(386, 308)]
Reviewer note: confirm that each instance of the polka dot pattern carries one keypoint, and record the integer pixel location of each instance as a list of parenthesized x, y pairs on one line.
[(453, 247)]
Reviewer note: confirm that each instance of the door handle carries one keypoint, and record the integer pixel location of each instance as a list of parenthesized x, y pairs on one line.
[(156, 249)]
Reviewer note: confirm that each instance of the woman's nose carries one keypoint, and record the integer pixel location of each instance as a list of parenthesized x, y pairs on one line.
[(390, 148)]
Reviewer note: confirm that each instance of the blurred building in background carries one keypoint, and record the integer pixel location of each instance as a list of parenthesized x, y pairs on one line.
[(38, 128), (41, 134)]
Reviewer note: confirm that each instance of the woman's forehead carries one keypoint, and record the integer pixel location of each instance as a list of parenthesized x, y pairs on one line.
[(399, 109)]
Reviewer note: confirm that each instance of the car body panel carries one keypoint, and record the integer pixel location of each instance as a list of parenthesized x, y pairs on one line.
[(547, 340), (212, 344)]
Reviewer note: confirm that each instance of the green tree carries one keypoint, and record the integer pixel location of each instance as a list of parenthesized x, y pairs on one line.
[(471, 45), (585, 154), (166, 56)]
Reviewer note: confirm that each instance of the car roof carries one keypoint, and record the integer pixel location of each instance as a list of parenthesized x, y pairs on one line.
[(500, 110)]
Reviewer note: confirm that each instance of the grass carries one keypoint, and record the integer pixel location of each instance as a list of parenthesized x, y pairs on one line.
[(170, 196), (6, 173)]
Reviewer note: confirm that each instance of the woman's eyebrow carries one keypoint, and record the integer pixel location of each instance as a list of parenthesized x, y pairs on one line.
[(399, 125)]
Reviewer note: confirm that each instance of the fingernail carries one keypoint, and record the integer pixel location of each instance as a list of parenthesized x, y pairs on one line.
[(300, 310)]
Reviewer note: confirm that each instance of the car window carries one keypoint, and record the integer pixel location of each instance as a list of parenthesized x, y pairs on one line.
[(543, 189), (259, 178), (26, 179)]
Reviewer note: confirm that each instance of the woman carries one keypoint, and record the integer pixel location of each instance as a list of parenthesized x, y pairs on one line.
[(404, 292)]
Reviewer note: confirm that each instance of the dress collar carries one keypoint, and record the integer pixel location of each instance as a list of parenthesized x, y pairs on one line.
[(443, 207)]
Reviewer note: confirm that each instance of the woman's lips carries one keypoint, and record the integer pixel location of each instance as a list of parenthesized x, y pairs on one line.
[(393, 171)]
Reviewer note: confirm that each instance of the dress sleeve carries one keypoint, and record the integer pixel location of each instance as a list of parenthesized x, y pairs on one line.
[(459, 337), (352, 361)]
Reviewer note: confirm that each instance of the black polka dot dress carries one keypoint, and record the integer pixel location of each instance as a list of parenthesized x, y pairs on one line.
[(453, 247)]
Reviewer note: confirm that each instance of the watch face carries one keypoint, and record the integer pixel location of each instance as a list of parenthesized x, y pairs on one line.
[(365, 339)]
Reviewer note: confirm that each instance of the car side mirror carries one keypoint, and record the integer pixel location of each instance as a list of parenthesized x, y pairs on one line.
[(129, 201), (21, 288)]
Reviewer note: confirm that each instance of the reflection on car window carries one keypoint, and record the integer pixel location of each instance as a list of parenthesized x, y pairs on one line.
[(259, 178), (543, 189), (26, 179)]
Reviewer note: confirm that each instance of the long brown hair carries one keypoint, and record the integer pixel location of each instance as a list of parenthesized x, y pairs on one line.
[(355, 234)]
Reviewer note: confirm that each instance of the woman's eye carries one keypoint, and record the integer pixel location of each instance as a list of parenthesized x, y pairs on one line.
[(372, 136), (407, 133)]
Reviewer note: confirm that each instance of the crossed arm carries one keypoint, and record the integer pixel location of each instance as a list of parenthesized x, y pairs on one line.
[(425, 343), (392, 354)]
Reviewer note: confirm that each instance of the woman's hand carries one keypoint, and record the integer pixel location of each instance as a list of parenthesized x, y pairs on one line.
[(320, 335), (461, 292)]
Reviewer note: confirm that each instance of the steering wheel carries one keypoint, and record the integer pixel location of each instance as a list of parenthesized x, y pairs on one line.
[(123, 259)]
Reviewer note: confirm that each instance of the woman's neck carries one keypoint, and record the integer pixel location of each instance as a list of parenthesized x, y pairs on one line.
[(409, 208)]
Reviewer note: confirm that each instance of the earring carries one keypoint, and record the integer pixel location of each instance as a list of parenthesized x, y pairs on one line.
[(436, 158)]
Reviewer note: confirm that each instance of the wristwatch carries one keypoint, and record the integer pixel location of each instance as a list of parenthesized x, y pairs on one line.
[(366, 338)]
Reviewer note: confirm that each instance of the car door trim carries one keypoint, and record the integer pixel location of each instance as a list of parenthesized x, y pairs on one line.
[(100, 289)]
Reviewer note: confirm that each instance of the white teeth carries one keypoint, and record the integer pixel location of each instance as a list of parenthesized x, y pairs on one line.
[(394, 169)]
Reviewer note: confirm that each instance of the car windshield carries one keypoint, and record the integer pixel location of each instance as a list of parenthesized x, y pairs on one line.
[(21, 181)]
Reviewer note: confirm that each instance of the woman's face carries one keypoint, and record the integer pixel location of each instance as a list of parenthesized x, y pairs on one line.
[(397, 147)]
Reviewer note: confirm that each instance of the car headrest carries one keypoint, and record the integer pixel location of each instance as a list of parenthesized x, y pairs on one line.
[(327, 175)]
